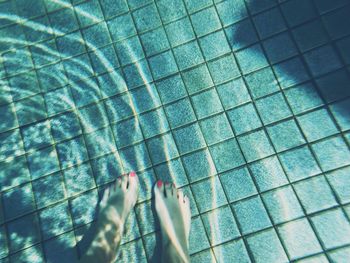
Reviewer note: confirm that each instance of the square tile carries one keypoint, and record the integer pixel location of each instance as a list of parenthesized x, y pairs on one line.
[(299, 164), (171, 10), (94, 42), (112, 8), (214, 45), (299, 239), (137, 74), (205, 21), (78, 68), (340, 254), (251, 215), (198, 239), (273, 108), (65, 126), (335, 220), (179, 31), (72, 152), (145, 217), (106, 168), (58, 21), (319, 199), (43, 162), (209, 194), (203, 256), (172, 171), (146, 18), (262, 82), (58, 100), (194, 6), (118, 107), (100, 64), (123, 50), (127, 132), (11, 144), (14, 172), (199, 165), (223, 69), (135, 158), (297, 12), (255, 145), (70, 44), (56, 248), (52, 76), (188, 55), (285, 135), (162, 148), (171, 89), (227, 155), (12, 32), (189, 138), (100, 142), (269, 23), (317, 125), (36, 136), (220, 232), (133, 4), (216, 129), (340, 114), (20, 56), (235, 251), (24, 85), (256, 7), (55, 220), (45, 53), (338, 181), (231, 11), (244, 31), (8, 117), (89, 7), (130, 255), (207, 103), (331, 22), (155, 41), (282, 204), (180, 113), (244, 119), (111, 83), (83, 208), (268, 174), (93, 117), (145, 98), (163, 65), (303, 97), (4, 249), (48, 190), (343, 47), (238, 184), (30, 110), (197, 79), (8, 8), (261, 243), (121, 27), (233, 93), (251, 59), (280, 47), (147, 182)]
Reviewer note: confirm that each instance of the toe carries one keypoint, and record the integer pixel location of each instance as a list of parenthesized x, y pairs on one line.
[(169, 190), (133, 180), (186, 200), (159, 189), (180, 195)]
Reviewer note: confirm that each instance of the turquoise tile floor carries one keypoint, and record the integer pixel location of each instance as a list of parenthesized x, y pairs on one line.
[(244, 104)]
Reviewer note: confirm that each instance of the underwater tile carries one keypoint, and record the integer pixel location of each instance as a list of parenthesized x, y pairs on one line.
[(163, 65), (285, 135), (317, 125), (43, 162), (172, 171), (194, 6), (338, 181), (251, 215), (207, 103), (251, 58), (7, 8), (339, 254), (331, 22), (93, 117), (78, 68), (343, 47), (14, 172), (214, 45), (203, 256), (209, 194), (112, 8), (216, 129), (111, 83), (179, 31), (48, 190), (205, 21), (198, 239), (145, 98), (256, 7), (231, 11), (45, 53), (299, 239), (65, 126), (60, 248), (72, 152), (226, 155), (223, 69), (154, 123), (146, 18), (31, 254), (106, 168), (137, 74), (83, 208), (282, 204), (52, 76), (199, 165), (59, 20), (170, 10), (234, 250), (55, 220), (273, 108), (8, 117), (244, 118), (11, 144), (220, 225), (89, 13), (324, 6), (319, 199), (13, 58), (260, 246), (123, 50), (100, 142), (339, 225), (189, 138), (119, 108), (341, 115), (262, 82), (30, 110), (233, 93), (58, 100), (100, 65), (146, 219), (36, 136), (268, 173), (146, 182), (132, 252), (134, 4), (24, 85), (197, 79), (70, 45), (255, 145), (269, 23), (121, 27), (135, 158), (12, 32), (78, 179), (297, 12), (303, 97), (4, 248), (127, 132), (299, 163), (18, 201), (155, 41), (101, 30), (171, 89), (162, 148), (188, 55)]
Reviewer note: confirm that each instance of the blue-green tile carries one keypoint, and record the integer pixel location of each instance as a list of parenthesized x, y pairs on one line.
[(282, 204), (90, 7), (214, 45), (12, 58), (262, 82), (147, 182), (244, 119), (65, 126), (171, 89), (199, 165), (145, 217), (130, 255), (172, 171), (255, 145), (216, 129), (135, 158), (30, 110), (111, 83), (106, 168), (233, 93), (335, 220), (58, 100), (146, 18), (100, 142), (43, 162), (123, 50), (94, 42), (11, 144), (189, 138), (207, 103), (235, 251), (343, 47), (83, 208), (223, 69), (198, 239), (4, 248), (340, 254), (8, 117), (205, 21), (163, 65), (72, 152), (261, 243), (60, 248), (341, 115), (144, 99), (171, 10), (78, 179), (299, 164), (14, 172), (231, 11), (8, 8), (45, 53), (36, 136), (338, 180), (121, 27), (119, 108), (155, 41), (268, 173), (203, 256), (70, 44), (137, 74), (133, 4), (12, 32), (180, 113), (269, 23), (209, 194), (297, 12), (256, 7), (162, 148), (251, 59), (24, 85), (154, 123), (58, 21), (112, 8), (48, 80), (243, 31), (332, 24), (93, 117), (33, 253), (197, 79), (194, 6), (127, 132), (78, 68), (180, 31), (188, 55)]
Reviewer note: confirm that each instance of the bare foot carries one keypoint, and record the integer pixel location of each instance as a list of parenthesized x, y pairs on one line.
[(173, 210), (115, 206)]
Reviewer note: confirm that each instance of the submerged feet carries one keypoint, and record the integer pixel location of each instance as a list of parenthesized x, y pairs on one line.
[(173, 210)]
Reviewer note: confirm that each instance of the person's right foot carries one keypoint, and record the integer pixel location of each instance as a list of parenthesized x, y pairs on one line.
[(173, 210)]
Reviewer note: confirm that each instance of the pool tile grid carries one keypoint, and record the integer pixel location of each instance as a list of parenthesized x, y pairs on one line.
[(257, 185)]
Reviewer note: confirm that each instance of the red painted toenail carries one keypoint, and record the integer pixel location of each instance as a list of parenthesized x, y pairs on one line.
[(159, 183), (132, 174)]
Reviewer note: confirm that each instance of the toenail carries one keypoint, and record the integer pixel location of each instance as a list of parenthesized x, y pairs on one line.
[(132, 174), (159, 183)]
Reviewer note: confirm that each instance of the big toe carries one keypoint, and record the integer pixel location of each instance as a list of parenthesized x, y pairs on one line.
[(133, 183)]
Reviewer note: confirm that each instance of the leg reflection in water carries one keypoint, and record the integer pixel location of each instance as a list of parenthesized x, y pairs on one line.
[(173, 210)]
